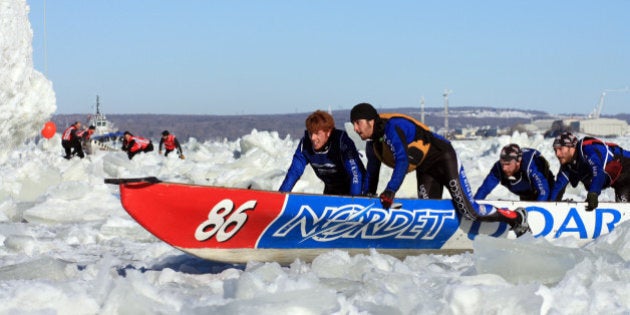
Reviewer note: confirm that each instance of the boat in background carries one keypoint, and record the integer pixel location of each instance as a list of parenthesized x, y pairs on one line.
[(106, 136)]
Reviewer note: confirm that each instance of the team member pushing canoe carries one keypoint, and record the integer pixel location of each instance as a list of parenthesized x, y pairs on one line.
[(332, 155), (524, 172), (595, 163), (405, 144)]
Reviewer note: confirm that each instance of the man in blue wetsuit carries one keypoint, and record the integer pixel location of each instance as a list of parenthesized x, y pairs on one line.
[(595, 163), (524, 172), (405, 144), (332, 155)]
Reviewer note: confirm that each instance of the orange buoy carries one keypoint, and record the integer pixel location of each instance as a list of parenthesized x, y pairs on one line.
[(49, 130)]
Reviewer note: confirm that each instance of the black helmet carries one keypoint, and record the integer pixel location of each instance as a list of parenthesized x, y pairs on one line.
[(165, 133), (565, 139), (511, 152)]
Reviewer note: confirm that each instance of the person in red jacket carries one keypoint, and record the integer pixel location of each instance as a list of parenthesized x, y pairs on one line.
[(71, 142), (84, 136), (170, 143), (134, 144)]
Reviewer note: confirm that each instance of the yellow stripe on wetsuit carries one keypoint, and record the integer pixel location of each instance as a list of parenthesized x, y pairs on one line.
[(416, 150)]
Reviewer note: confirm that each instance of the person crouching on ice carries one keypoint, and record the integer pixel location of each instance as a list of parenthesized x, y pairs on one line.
[(71, 142), (134, 144), (595, 163), (332, 155), (405, 144), (524, 172), (84, 136), (170, 143)]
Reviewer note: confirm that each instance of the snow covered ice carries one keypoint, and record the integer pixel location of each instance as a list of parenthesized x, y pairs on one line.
[(70, 248)]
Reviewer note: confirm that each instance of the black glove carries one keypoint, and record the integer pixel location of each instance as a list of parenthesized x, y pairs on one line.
[(387, 198), (591, 201)]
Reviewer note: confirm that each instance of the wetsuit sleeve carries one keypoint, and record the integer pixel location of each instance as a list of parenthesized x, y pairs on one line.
[(177, 145), (398, 148), (593, 155), (295, 170), (370, 182), (562, 179), (353, 165), (161, 143), (538, 181), (489, 183)]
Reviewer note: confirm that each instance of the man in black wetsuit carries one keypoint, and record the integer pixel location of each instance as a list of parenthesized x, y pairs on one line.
[(405, 144)]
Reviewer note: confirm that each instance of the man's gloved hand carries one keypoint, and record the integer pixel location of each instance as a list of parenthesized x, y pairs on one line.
[(181, 156), (387, 198), (591, 201)]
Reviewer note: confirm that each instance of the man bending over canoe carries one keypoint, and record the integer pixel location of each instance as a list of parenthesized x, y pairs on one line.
[(595, 163), (332, 155), (405, 144), (523, 171)]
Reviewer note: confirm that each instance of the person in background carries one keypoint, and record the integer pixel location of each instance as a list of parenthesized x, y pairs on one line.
[(134, 144), (595, 163), (170, 143), (406, 145), (71, 142), (332, 155), (84, 136), (524, 172)]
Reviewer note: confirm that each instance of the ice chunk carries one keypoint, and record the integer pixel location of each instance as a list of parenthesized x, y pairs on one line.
[(41, 268), (525, 259)]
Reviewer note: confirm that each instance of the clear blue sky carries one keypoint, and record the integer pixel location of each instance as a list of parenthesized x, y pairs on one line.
[(259, 57)]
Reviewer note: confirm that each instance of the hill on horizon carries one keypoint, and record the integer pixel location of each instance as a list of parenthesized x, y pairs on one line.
[(232, 127)]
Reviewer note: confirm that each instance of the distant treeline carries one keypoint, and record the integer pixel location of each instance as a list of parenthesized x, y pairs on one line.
[(214, 127), (201, 127)]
